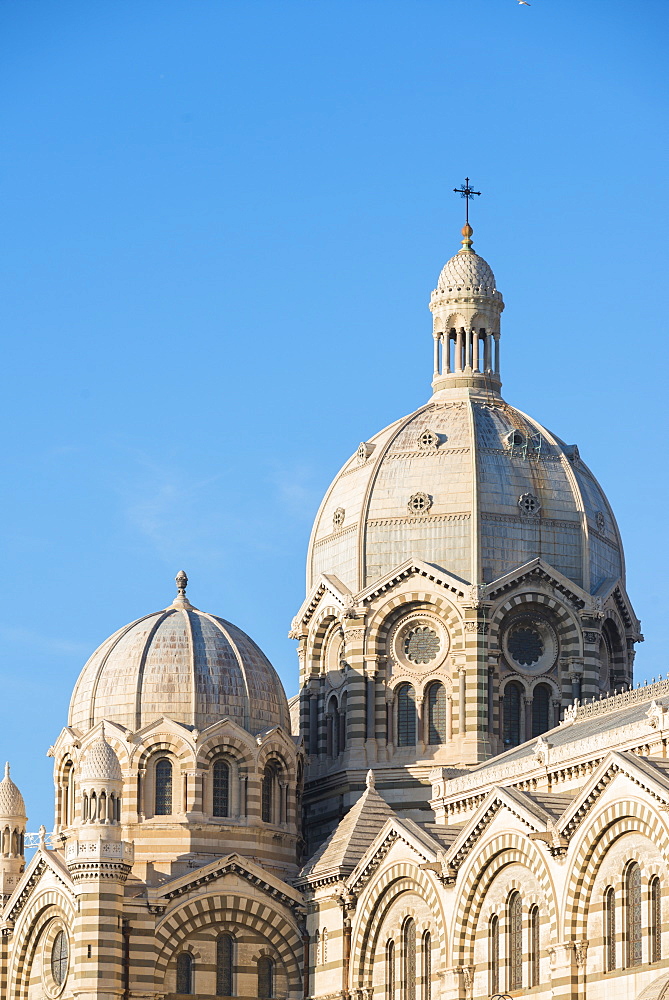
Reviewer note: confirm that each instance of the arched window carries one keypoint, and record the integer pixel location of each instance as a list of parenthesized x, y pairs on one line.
[(655, 921), (436, 713), (163, 788), (534, 946), (390, 970), (513, 697), (493, 953), (633, 914), (406, 716), (68, 794), (84, 811), (221, 788), (333, 727), (265, 978), (515, 939), (324, 946), (541, 702), (15, 843), (342, 722), (426, 961), (609, 929), (94, 807), (409, 959), (224, 947), (269, 793), (185, 973), (59, 958)]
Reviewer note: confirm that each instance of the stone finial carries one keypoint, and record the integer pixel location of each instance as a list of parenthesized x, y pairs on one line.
[(181, 601), (6, 770), (371, 780), (467, 233), (42, 835)]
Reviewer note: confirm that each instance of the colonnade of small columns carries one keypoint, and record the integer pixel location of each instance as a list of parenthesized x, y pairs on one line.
[(11, 842), (466, 351), (100, 807)]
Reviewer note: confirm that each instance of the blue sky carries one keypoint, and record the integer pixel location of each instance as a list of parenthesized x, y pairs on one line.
[(220, 226)]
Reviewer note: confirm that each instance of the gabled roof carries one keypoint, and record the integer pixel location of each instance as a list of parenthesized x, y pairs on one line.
[(41, 862), (538, 567), (160, 897), (346, 845)]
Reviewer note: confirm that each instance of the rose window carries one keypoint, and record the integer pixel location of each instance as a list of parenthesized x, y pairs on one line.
[(600, 520), (421, 644), (529, 504), (338, 517), (526, 645)]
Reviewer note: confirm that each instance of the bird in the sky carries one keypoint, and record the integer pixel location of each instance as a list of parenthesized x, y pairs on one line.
[(525, 3)]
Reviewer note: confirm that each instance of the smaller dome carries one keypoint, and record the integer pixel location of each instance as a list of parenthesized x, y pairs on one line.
[(467, 272), (11, 800), (101, 762)]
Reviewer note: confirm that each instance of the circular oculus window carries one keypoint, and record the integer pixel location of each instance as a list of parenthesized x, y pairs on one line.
[(420, 642), (531, 645), (56, 961)]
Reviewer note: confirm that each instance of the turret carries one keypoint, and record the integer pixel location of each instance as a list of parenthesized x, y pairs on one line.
[(12, 834), (466, 309)]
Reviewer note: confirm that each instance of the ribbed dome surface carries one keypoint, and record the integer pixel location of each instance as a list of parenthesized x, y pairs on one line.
[(182, 663), (471, 460), (101, 762), (11, 800), (467, 272)]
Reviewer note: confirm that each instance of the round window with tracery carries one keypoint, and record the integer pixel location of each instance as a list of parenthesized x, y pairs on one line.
[(419, 503), (421, 644), (530, 643), (529, 504), (428, 440), (338, 517), (59, 958), (526, 645)]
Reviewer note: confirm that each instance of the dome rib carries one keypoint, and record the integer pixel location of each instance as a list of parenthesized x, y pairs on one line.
[(193, 669), (371, 482), (240, 661), (113, 642), (142, 665)]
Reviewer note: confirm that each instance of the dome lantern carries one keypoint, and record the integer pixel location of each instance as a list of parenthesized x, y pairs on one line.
[(466, 308)]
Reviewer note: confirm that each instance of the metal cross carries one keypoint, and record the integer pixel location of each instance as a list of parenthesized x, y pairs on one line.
[(467, 193)]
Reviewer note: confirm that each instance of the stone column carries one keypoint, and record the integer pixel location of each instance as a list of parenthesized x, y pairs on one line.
[(436, 337), (462, 698), (458, 349), (354, 638), (496, 336), (468, 350), (475, 355), (446, 353)]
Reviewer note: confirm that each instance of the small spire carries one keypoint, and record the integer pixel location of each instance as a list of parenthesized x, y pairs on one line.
[(7, 770), (371, 780), (181, 601)]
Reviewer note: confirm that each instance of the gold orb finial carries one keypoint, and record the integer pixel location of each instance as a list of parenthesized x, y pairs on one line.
[(467, 233)]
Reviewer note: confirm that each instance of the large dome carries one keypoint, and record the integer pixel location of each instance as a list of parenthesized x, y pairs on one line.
[(472, 485), (193, 667)]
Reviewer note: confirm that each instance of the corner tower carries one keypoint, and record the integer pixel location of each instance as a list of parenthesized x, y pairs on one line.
[(465, 579)]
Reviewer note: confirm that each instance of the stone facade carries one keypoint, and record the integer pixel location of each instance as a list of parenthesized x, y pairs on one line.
[(473, 799)]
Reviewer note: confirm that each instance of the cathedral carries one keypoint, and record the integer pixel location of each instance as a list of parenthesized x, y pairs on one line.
[(467, 798)]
